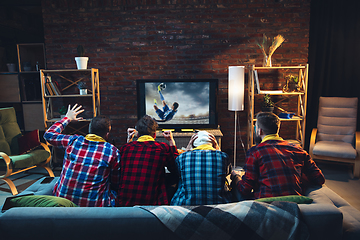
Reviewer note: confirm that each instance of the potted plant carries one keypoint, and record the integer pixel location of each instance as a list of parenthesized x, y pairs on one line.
[(267, 104), (81, 60), (62, 111), (292, 84), (82, 88)]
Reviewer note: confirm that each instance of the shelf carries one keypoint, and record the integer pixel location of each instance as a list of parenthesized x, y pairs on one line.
[(295, 101), (276, 92), (68, 96), (53, 120), (9, 73), (30, 102), (284, 67), (293, 119), (67, 70), (65, 81)]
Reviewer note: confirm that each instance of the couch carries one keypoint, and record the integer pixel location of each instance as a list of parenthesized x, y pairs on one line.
[(328, 217)]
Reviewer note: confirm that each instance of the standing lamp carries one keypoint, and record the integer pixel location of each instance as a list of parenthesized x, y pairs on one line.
[(236, 94)]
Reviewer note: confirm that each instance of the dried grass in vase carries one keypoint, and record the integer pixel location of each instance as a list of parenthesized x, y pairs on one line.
[(267, 49)]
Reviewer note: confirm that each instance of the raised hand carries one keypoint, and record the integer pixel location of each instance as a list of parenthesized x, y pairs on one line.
[(73, 112)]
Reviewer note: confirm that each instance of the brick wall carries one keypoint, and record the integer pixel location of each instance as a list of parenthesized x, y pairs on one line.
[(129, 40)]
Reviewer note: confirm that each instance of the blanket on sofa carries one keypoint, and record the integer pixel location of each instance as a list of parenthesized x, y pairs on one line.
[(241, 220)]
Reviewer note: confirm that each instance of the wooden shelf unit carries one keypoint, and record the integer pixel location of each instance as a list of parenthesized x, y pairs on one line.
[(301, 99), (67, 80)]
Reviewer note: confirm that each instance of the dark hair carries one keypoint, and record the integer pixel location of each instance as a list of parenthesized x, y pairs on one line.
[(268, 122), (146, 126), (100, 126), (176, 105)]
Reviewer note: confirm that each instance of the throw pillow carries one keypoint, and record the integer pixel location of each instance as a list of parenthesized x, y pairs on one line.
[(28, 141), (291, 198), (41, 201)]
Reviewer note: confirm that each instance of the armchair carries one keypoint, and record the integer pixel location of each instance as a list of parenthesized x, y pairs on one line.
[(335, 138), (17, 153)]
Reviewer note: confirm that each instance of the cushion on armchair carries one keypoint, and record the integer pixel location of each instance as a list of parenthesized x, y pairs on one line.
[(334, 149), (10, 129), (28, 159)]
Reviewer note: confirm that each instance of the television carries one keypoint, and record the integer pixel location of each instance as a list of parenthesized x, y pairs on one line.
[(196, 98)]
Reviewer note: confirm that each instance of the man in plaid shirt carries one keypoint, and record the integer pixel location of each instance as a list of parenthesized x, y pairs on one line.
[(203, 170), (91, 165), (275, 167), (142, 166)]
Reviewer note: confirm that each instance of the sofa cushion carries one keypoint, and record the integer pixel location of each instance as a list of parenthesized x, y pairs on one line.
[(41, 201), (291, 198), (29, 141)]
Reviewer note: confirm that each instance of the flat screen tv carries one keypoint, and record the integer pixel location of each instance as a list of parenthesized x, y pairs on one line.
[(196, 99)]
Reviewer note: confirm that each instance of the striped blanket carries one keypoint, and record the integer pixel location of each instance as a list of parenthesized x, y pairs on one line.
[(241, 220)]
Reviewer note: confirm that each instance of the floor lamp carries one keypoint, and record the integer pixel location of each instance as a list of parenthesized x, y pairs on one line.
[(236, 94)]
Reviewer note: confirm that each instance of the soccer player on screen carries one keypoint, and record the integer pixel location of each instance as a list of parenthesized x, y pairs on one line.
[(166, 113)]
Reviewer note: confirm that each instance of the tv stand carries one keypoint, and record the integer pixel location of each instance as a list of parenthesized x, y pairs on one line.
[(182, 138)]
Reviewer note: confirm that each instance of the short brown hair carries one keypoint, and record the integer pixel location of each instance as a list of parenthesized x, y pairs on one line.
[(268, 122), (146, 126), (99, 125)]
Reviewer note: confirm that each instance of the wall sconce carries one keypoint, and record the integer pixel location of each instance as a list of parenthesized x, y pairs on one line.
[(236, 88)]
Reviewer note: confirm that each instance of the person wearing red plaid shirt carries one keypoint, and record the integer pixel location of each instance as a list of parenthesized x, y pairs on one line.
[(90, 173), (275, 167), (142, 166)]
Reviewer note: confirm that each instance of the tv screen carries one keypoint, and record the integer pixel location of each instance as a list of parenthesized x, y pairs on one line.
[(179, 103)]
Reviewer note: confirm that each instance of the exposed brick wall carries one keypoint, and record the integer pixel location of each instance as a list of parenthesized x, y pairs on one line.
[(129, 40)]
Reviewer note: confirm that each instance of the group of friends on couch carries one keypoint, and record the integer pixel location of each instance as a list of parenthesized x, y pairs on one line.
[(96, 173)]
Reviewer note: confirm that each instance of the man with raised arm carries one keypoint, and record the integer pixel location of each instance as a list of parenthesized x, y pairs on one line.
[(90, 173)]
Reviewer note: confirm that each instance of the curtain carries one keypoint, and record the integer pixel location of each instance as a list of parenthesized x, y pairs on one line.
[(334, 55)]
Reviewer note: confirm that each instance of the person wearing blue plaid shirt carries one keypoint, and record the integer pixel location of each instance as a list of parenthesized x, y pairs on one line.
[(90, 173), (203, 170)]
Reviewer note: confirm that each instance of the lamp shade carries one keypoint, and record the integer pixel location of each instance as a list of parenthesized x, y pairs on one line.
[(236, 88)]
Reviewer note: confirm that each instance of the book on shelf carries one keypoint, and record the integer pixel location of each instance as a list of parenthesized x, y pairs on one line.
[(53, 86), (48, 88)]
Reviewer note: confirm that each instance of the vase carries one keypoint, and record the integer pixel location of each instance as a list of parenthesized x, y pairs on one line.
[(267, 109), (267, 61)]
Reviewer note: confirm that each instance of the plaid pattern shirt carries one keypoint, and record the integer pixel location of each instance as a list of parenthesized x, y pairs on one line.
[(142, 173), (202, 178), (89, 168), (277, 168)]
